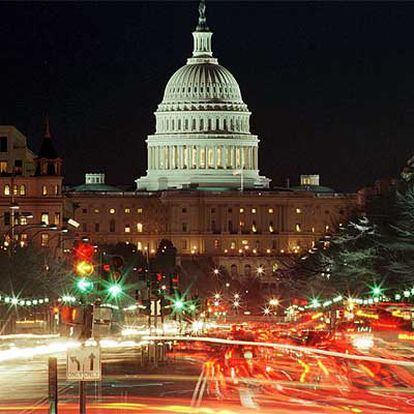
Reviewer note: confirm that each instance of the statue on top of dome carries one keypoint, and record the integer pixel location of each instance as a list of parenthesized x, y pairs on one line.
[(202, 21)]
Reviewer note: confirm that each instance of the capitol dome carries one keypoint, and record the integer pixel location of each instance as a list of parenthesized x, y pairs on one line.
[(202, 82), (202, 134)]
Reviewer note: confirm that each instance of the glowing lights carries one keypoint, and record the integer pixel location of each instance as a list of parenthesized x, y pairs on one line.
[(315, 303), (115, 290), (363, 342), (216, 271), (84, 268), (274, 302), (84, 285), (260, 270), (376, 291)]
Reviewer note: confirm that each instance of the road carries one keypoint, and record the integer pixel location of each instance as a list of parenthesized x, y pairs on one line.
[(223, 376)]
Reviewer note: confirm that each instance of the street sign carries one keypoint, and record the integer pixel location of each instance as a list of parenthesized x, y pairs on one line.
[(84, 364)]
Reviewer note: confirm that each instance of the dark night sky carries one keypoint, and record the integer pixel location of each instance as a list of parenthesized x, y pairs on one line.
[(330, 85)]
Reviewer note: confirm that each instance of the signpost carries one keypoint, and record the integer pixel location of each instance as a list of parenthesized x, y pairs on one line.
[(53, 388), (84, 364)]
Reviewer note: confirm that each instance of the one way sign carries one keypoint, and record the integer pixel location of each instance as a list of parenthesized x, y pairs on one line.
[(84, 364)]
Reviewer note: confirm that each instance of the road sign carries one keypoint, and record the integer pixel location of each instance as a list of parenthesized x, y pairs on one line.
[(84, 364)]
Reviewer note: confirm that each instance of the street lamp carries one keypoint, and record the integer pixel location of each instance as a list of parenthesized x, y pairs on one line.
[(260, 270), (274, 302)]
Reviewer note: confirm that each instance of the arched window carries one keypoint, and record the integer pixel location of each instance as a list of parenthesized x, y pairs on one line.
[(139, 227), (6, 190), (22, 190)]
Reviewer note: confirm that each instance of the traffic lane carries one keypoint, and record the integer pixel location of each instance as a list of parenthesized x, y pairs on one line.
[(26, 382)]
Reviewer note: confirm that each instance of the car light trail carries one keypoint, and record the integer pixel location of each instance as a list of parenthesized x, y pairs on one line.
[(304, 349)]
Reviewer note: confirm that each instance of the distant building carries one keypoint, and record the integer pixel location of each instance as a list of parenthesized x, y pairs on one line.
[(15, 156), (31, 200)]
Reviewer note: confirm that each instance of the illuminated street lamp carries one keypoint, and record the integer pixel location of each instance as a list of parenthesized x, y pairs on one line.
[(216, 272), (236, 296), (217, 296), (266, 311), (274, 302), (260, 270)]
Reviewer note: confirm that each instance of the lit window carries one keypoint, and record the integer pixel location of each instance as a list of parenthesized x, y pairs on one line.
[(44, 218), (127, 210), (216, 244), (253, 211), (6, 190), (96, 210), (127, 228), (44, 239), (232, 245), (254, 227), (44, 190), (112, 211), (271, 228), (23, 239), (139, 210), (3, 166), (298, 210), (313, 229), (242, 210), (23, 220), (139, 227), (15, 190), (271, 211), (241, 223), (327, 227), (56, 188), (139, 245), (57, 219), (297, 227), (244, 242), (22, 190)]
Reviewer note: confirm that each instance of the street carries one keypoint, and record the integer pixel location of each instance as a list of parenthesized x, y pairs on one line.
[(223, 373)]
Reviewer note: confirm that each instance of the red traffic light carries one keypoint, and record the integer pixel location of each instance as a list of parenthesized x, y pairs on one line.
[(84, 251)]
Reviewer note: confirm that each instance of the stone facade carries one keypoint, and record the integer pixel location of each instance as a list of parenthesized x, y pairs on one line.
[(210, 223)]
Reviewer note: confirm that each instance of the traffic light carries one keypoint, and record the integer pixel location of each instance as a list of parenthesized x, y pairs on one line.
[(115, 290), (112, 268), (174, 282), (83, 259)]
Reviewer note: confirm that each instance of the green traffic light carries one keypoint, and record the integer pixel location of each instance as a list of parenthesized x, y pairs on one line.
[(376, 291), (178, 305), (115, 290), (84, 285)]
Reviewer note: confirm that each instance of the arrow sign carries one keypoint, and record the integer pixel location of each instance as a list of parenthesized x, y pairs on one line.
[(76, 361), (92, 358), (84, 364)]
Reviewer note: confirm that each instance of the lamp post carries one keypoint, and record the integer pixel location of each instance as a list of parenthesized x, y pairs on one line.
[(240, 172)]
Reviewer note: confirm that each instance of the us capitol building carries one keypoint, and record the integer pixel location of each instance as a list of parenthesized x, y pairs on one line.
[(202, 136), (202, 190)]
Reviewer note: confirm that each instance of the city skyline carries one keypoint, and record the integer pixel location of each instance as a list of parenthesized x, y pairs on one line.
[(308, 120)]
